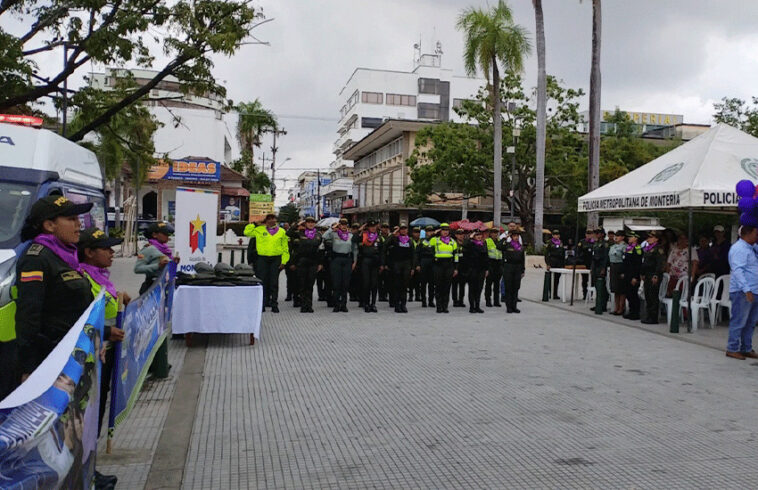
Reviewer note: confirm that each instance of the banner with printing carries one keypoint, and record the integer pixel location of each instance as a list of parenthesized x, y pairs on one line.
[(48, 425), (195, 230)]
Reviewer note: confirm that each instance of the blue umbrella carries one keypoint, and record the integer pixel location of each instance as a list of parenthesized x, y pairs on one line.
[(425, 222)]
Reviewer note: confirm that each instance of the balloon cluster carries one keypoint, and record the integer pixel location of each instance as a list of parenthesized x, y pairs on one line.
[(748, 204)]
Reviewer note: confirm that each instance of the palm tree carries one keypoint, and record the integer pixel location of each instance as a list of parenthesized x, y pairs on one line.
[(254, 120), (594, 162), (541, 123), (492, 36)]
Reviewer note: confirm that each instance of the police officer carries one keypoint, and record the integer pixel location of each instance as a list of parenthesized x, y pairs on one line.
[(343, 258), (310, 260), (385, 273), (631, 267), (600, 259), (513, 269), (584, 257), (291, 267), (445, 266), (494, 269), (425, 268), (414, 287), (370, 247), (475, 252), (355, 278), (155, 254), (272, 247), (555, 257), (400, 252), (653, 263), (459, 281)]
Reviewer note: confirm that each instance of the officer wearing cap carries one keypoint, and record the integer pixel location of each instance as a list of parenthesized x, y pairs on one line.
[(306, 245), (555, 257), (155, 254), (370, 248), (272, 250), (52, 292), (653, 263), (584, 257), (355, 277), (399, 254), (599, 257), (459, 281), (425, 268), (513, 269), (494, 268), (445, 266), (630, 277), (414, 287), (343, 259), (475, 251), (385, 273)]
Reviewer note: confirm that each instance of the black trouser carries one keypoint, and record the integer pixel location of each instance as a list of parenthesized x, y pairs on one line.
[(555, 277), (105, 385), (475, 279), (146, 284), (512, 279), (414, 287), (370, 280), (9, 376), (267, 270), (356, 283), (492, 284), (383, 284), (387, 281), (652, 303), (633, 298), (443, 277), (427, 279), (341, 270), (459, 287), (293, 285), (401, 277), (306, 273)]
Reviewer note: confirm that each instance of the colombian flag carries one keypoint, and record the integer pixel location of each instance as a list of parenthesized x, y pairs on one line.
[(197, 235)]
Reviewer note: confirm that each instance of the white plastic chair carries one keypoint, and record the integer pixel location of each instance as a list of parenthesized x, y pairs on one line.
[(701, 300), (590, 295), (710, 274), (720, 300), (665, 279), (681, 285)]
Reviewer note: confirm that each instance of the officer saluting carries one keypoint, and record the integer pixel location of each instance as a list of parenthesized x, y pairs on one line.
[(555, 257), (445, 266), (343, 258), (494, 269), (306, 245), (399, 253), (370, 248), (272, 247), (653, 262), (513, 269), (630, 277), (425, 268)]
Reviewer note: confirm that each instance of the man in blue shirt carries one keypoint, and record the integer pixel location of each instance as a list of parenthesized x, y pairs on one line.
[(743, 287)]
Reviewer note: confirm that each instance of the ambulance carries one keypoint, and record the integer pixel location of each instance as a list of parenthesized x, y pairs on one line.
[(34, 163)]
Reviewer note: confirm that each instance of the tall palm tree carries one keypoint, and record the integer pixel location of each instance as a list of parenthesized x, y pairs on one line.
[(593, 174), (539, 200), (492, 37), (254, 120)]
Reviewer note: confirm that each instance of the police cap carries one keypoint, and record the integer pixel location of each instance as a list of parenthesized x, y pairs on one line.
[(159, 227), (429, 228), (459, 232), (385, 225), (600, 231), (355, 226), (51, 207), (371, 222), (343, 221), (96, 238), (415, 229), (444, 225), (556, 232), (619, 232), (310, 218), (632, 233), (403, 225)]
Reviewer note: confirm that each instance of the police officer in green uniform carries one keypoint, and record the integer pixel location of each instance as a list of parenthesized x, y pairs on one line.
[(425, 268), (555, 257), (599, 258), (653, 262), (399, 254), (309, 257), (445, 266), (514, 261), (631, 267), (584, 257), (370, 247), (494, 269), (155, 254)]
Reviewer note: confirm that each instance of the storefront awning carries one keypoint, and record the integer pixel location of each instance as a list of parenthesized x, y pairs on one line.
[(235, 191)]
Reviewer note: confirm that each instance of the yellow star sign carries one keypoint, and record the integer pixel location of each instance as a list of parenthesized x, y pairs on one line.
[(197, 225)]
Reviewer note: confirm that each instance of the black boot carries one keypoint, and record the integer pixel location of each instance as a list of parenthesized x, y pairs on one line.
[(336, 309), (423, 302), (488, 303), (496, 303)]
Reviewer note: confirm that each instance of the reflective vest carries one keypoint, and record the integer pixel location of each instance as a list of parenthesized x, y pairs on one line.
[(269, 245), (111, 303), (444, 250), (8, 318), (492, 251)]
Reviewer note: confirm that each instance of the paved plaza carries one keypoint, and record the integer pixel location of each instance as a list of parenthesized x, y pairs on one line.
[(546, 399)]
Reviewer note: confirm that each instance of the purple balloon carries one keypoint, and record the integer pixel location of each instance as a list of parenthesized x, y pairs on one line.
[(747, 219), (745, 188), (746, 205)]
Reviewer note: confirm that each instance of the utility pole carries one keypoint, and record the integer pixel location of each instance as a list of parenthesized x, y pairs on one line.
[(64, 104), (274, 148), (318, 194)]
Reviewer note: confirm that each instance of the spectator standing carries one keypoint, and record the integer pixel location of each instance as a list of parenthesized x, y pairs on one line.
[(676, 263), (743, 288), (616, 260), (719, 252)]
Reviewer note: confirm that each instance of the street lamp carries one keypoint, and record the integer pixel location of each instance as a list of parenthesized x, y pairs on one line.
[(512, 150)]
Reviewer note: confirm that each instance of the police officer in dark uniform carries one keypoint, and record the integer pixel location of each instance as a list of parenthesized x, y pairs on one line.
[(399, 253), (477, 262), (355, 277), (385, 292), (310, 260), (370, 247), (599, 258), (289, 271), (584, 257), (414, 287), (555, 257), (514, 261), (653, 262), (631, 267), (459, 281), (425, 268)]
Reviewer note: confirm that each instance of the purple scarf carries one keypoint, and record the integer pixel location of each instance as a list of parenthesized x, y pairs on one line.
[(162, 248), (272, 231), (477, 242), (591, 240), (371, 237), (403, 239), (343, 234), (630, 247), (100, 276), (309, 234), (445, 239), (65, 251), (556, 241), (516, 245), (650, 246)]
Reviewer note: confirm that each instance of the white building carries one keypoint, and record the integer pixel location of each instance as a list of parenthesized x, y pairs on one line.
[(370, 97)]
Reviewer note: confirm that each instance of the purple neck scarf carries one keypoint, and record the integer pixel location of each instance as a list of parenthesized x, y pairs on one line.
[(372, 237), (100, 276), (630, 247), (272, 231), (403, 239), (343, 234), (477, 242), (66, 252), (516, 245), (650, 246), (310, 234), (162, 248), (445, 239), (556, 241)]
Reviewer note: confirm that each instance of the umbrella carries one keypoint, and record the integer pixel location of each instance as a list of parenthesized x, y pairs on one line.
[(425, 222), (327, 222)]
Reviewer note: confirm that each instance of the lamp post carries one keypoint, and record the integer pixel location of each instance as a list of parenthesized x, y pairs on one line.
[(512, 150)]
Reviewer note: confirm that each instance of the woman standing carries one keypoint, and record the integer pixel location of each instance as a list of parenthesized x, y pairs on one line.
[(155, 255), (616, 259), (370, 246), (343, 258), (445, 266), (514, 266), (475, 251)]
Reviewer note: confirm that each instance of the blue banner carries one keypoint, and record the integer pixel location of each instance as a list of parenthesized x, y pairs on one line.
[(188, 170), (48, 425), (145, 322)]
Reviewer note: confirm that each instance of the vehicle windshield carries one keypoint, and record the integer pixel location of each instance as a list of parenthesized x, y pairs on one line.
[(15, 201)]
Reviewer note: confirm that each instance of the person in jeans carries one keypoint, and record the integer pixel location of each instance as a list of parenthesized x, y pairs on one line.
[(743, 288)]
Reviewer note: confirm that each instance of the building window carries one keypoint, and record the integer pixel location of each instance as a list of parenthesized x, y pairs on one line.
[(371, 122), (428, 111), (428, 86), (396, 99), (458, 103), (372, 97)]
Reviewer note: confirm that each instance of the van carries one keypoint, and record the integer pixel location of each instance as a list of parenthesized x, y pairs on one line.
[(35, 163)]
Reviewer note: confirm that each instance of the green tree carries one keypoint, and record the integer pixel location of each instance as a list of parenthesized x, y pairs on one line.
[(189, 34), (289, 213), (738, 113), (257, 181), (254, 120), (492, 37)]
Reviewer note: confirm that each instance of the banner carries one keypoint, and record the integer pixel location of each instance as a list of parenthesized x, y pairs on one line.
[(195, 225), (261, 204), (145, 322), (48, 425), (188, 170), (230, 208)]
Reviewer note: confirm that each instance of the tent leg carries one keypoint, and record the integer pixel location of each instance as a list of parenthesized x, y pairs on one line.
[(573, 272), (689, 271)]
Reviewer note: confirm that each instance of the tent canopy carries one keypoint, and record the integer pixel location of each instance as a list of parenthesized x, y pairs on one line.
[(701, 174)]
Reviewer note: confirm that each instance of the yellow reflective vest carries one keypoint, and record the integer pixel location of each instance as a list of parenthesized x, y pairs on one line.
[(492, 251), (444, 250), (269, 245)]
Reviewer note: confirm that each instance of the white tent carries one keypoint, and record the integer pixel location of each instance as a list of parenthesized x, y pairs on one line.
[(701, 173)]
